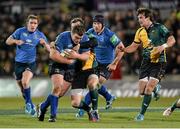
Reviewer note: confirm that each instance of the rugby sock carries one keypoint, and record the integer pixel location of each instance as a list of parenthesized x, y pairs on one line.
[(27, 94), (103, 91), (54, 105), (46, 103), (84, 106), (94, 98), (145, 103), (174, 106), (87, 99)]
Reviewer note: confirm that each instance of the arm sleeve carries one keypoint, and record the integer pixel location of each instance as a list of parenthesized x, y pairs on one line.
[(114, 40), (16, 34), (164, 32), (59, 43)]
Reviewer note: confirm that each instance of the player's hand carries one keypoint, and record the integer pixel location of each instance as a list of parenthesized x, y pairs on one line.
[(76, 48), (42, 41), (52, 45), (19, 42), (120, 48), (71, 61), (158, 50), (111, 67), (71, 54)]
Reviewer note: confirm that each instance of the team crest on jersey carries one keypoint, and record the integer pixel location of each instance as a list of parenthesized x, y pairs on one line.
[(25, 34), (69, 46), (28, 41), (101, 39)]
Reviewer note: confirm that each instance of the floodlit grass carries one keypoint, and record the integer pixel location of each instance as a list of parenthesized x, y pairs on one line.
[(121, 116)]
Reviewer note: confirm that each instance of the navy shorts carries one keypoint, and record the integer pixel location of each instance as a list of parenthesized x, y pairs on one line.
[(103, 71), (56, 68), (21, 67)]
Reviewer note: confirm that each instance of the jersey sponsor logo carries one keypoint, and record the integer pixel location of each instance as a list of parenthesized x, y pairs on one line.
[(114, 39), (25, 34), (69, 46), (28, 41)]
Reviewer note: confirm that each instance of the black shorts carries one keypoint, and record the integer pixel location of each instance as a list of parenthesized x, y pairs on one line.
[(148, 69), (21, 67), (80, 79), (103, 71), (61, 69)]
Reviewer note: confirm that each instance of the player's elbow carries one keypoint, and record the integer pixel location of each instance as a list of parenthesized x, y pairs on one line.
[(8, 41), (172, 41)]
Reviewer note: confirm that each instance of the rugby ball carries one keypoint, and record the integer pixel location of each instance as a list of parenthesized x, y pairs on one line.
[(64, 52)]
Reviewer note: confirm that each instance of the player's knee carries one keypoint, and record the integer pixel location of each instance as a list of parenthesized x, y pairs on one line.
[(25, 84), (74, 103), (92, 81), (57, 90), (148, 90), (141, 93)]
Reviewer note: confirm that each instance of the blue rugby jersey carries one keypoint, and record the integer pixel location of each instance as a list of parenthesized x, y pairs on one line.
[(64, 41), (26, 52), (107, 42)]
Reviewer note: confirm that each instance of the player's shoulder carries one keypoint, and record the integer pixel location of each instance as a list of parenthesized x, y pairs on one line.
[(39, 32), (108, 32), (64, 34), (21, 29), (157, 24), (91, 30), (141, 30)]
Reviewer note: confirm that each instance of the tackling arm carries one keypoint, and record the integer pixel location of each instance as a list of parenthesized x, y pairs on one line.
[(11, 41)]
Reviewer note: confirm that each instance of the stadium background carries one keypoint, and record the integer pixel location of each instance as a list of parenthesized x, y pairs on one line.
[(120, 16)]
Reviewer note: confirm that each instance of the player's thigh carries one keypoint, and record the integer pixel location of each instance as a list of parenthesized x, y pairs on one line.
[(27, 75), (57, 82), (151, 85), (28, 72), (142, 85)]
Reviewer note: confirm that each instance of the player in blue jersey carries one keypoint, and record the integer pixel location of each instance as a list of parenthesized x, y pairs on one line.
[(62, 67), (107, 56), (26, 39)]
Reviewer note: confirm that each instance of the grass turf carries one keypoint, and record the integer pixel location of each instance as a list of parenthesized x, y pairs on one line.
[(121, 116)]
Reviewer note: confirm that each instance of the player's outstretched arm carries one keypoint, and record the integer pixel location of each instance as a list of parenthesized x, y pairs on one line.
[(118, 55), (57, 57), (45, 44), (170, 42), (130, 49), (11, 41)]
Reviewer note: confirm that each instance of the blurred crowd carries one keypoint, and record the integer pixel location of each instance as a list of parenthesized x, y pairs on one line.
[(124, 23)]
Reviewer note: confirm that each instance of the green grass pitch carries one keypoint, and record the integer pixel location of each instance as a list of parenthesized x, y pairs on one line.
[(121, 116)]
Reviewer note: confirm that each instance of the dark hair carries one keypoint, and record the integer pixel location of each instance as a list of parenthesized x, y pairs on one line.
[(99, 18), (77, 19), (78, 29), (146, 12), (31, 16)]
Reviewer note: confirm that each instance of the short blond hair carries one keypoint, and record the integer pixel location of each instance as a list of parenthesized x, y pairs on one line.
[(32, 16)]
